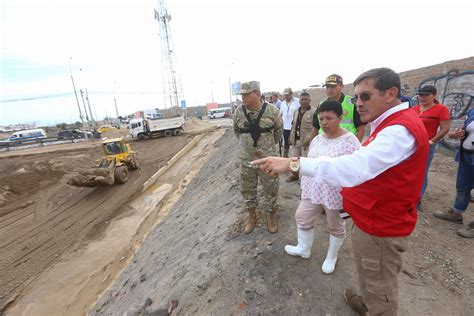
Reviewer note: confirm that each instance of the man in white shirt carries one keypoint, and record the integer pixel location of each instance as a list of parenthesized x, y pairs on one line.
[(288, 107), (381, 185), (276, 100)]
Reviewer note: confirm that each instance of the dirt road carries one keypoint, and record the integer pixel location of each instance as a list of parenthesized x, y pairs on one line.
[(41, 217), (198, 259)]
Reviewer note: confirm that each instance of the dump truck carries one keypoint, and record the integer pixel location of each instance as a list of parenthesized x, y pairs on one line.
[(113, 168), (142, 128)]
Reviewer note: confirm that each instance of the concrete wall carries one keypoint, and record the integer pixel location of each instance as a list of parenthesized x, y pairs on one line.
[(453, 79)]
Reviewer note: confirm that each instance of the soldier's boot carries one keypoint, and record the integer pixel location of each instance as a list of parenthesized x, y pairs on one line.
[(251, 221), (331, 258), (305, 242), (272, 225)]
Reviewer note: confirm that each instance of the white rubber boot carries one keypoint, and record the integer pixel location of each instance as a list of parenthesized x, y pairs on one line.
[(334, 245), (305, 242)]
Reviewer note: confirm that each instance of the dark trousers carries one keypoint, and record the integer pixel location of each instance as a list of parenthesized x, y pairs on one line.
[(286, 138), (464, 182)]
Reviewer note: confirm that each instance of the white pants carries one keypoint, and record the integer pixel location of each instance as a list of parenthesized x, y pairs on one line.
[(307, 212)]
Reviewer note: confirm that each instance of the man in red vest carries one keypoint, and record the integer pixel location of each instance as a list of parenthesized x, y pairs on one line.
[(381, 186)]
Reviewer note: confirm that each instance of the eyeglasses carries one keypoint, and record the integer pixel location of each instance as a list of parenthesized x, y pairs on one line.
[(364, 97)]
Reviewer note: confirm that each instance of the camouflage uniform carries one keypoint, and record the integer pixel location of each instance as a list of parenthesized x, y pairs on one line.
[(266, 146)]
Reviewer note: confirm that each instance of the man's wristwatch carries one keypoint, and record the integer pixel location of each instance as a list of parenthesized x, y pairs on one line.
[(294, 164)]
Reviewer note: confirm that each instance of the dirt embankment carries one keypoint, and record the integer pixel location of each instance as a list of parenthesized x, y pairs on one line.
[(198, 259), (41, 217)]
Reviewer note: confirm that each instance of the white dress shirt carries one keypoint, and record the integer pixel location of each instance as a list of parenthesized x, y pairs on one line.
[(392, 145), (286, 111)]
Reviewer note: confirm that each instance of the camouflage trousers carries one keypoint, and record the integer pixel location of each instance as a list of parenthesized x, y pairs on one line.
[(248, 187)]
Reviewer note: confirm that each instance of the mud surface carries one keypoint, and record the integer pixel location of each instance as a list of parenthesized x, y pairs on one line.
[(41, 217), (197, 262)]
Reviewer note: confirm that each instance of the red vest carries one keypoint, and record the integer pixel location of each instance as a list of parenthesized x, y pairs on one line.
[(386, 205)]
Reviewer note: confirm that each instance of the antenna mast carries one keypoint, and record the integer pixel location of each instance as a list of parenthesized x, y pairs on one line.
[(172, 90)]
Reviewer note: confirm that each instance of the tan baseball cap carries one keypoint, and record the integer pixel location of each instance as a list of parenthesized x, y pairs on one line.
[(287, 91)]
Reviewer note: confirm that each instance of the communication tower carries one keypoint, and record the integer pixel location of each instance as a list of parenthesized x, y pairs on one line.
[(172, 90)]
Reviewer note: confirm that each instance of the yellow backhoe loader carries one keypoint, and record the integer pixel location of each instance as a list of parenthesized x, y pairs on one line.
[(113, 168)]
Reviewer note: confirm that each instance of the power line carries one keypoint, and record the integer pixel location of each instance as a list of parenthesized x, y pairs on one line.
[(63, 94)]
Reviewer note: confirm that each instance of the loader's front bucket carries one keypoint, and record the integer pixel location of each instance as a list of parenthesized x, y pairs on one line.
[(102, 175)]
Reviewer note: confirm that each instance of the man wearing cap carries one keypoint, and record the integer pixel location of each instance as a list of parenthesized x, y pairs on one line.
[(350, 117), (381, 184), (288, 107), (258, 126)]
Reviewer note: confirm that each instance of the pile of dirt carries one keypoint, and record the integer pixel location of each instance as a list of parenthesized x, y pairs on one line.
[(114, 133), (195, 125), (42, 217), (198, 262)]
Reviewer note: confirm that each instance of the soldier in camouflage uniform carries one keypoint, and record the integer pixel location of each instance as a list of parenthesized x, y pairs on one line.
[(259, 127)]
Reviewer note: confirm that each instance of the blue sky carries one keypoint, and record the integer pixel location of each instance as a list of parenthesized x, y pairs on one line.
[(280, 43)]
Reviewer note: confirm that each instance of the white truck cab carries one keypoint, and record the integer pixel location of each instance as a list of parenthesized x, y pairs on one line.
[(145, 128)]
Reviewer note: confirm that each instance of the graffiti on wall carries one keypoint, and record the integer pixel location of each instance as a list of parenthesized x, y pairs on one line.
[(456, 91)]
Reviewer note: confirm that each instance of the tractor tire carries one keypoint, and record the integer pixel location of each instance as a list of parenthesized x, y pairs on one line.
[(168, 133), (121, 175), (177, 132), (135, 164), (141, 136)]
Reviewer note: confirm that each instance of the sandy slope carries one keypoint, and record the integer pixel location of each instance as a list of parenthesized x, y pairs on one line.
[(199, 258), (42, 218)]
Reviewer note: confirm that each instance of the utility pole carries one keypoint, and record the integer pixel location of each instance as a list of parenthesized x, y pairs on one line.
[(85, 108), (87, 99), (77, 99), (115, 102)]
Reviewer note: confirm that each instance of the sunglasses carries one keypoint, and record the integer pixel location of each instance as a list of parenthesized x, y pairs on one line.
[(424, 94), (364, 97)]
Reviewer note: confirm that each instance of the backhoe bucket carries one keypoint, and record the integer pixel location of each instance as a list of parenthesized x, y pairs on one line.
[(102, 175)]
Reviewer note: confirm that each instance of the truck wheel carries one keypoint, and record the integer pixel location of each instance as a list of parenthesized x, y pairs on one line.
[(168, 133), (121, 175), (177, 132), (141, 136)]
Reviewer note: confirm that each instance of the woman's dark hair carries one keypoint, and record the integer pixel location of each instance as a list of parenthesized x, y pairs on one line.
[(330, 105)]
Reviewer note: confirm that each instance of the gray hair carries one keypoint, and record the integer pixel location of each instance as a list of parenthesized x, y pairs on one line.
[(384, 79)]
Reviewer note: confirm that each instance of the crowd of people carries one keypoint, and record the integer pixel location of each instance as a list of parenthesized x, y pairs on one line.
[(379, 182)]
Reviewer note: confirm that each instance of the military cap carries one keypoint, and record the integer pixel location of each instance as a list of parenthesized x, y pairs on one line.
[(247, 87), (332, 80)]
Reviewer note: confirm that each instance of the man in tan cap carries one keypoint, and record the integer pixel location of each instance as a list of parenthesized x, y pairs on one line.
[(258, 127), (288, 107)]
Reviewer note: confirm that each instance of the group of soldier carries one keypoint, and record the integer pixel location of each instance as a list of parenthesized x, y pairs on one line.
[(379, 181)]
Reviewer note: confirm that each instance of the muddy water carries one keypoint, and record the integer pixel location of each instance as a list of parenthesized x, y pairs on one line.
[(76, 282)]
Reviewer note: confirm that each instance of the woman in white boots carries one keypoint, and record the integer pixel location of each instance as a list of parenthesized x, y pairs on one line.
[(319, 197)]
